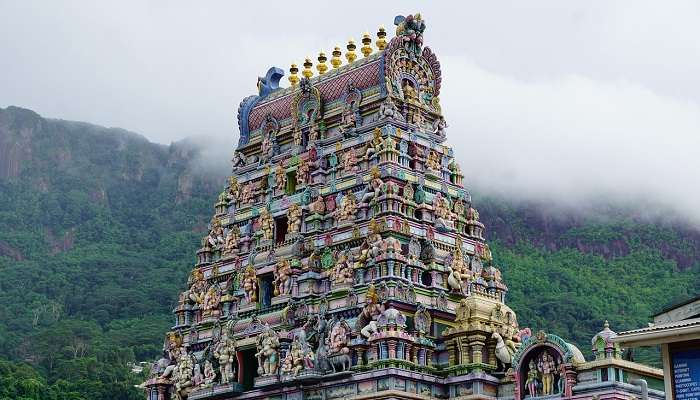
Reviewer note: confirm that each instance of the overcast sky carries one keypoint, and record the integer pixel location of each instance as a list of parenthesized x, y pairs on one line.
[(544, 99)]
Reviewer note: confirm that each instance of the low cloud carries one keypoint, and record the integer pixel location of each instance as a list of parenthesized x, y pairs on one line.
[(573, 142)]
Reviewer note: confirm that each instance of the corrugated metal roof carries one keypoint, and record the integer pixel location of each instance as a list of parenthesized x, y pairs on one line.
[(659, 327)]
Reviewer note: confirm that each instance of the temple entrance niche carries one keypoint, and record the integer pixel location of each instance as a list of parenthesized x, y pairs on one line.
[(539, 372), (248, 367)]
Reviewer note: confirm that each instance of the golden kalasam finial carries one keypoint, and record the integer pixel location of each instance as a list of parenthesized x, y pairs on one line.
[(321, 66), (335, 60), (293, 78), (381, 38), (351, 55), (307, 72), (366, 44)]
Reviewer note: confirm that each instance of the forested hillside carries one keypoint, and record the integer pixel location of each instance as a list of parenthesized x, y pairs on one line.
[(97, 232), (98, 229)]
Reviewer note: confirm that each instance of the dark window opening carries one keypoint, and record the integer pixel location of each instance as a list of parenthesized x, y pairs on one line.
[(426, 278), (604, 375), (291, 183), (249, 366), (617, 375), (265, 288), (280, 229)]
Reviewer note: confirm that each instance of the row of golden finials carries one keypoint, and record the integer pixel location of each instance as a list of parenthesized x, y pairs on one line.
[(336, 61)]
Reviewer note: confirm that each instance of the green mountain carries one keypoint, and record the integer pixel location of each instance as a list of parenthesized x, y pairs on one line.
[(97, 232), (98, 228)]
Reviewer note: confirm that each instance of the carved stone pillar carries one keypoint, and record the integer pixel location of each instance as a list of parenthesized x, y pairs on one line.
[(569, 382), (492, 353), (477, 343)]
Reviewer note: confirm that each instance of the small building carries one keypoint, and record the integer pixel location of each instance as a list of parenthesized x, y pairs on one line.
[(677, 331)]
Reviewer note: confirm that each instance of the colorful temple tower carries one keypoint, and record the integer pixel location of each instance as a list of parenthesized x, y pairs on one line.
[(345, 258)]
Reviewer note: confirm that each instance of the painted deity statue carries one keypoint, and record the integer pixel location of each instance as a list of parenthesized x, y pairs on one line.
[(283, 278), (268, 352), (233, 188), (370, 313), (343, 271), (296, 353), (209, 373), (339, 337), (303, 172), (348, 122), (376, 144), (433, 161), (314, 133), (458, 269), (266, 147), (409, 92), (211, 302), (388, 109), (374, 238), (184, 373), (439, 126), (232, 238), (375, 186), (294, 213), (458, 208), (547, 368), (247, 193), (318, 206), (532, 377), (298, 139), (348, 207), (444, 218), (280, 178), (216, 234), (350, 162), (238, 159), (267, 224), (250, 284), (198, 289), (225, 353), (197, 376)]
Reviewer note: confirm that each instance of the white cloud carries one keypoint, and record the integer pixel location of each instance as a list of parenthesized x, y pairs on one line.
[(572, 140)]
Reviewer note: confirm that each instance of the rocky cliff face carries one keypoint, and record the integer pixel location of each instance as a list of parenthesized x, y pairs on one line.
[(16, 128), (57, 175), (612, 233)]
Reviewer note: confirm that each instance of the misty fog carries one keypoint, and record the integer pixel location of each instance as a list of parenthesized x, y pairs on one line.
[(567, 104)]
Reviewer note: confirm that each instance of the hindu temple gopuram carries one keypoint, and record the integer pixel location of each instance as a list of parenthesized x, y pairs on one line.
[(345, 259)]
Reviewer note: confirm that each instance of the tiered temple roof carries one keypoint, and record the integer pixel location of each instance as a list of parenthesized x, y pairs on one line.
[(345, 257)]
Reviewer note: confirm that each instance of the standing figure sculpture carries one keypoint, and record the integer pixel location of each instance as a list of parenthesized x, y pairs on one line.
[(547, 369), (294, 214), (225, 353), (267, 224), (283, 278), (268, 352), (531, 381), (458, 269), (250, 284), (280, 178)]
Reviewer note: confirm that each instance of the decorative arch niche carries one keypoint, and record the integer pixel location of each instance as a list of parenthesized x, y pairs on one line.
[(548, 354)]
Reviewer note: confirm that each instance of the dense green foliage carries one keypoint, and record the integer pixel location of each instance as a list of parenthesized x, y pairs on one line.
[(98, 229)]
